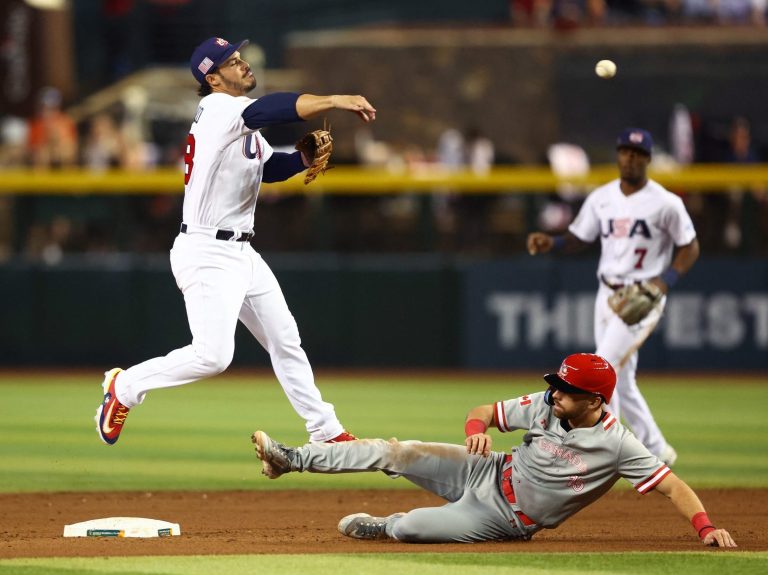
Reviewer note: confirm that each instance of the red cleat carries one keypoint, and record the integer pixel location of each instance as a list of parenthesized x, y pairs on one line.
[(111, 414), (341, 437)]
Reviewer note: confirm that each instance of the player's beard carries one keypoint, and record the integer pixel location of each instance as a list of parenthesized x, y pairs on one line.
[(243, 86), (559, 411), (249, 83), (632, 175), (634, 181), (633, 172)]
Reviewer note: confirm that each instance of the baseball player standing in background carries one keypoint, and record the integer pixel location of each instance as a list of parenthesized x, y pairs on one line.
[(221, 276), (571, 455), (639, 224)]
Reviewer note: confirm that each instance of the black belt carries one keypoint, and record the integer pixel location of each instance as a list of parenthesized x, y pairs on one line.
[(225, 234), (615, 286)]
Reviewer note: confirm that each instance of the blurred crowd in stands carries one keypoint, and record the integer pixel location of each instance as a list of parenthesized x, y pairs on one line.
[(46, 228), (575, 13), (51, 139)]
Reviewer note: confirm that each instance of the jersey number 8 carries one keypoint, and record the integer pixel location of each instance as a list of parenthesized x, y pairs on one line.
[(189, 155)]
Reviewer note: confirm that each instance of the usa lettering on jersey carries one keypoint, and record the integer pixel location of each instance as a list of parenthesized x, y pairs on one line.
[(638, 232), (624, 228), (224, 164), (251, 147)]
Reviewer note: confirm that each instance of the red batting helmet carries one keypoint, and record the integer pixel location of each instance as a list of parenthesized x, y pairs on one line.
[(584, 373)]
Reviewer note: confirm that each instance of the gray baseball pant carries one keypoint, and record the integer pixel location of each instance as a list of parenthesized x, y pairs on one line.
[(477, 511)]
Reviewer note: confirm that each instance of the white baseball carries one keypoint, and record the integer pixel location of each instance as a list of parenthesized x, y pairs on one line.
[(605, 69)]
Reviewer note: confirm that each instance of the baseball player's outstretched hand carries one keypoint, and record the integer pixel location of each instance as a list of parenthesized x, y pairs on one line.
[(357, 104), (539, 243), (479, 443), (719, 538)]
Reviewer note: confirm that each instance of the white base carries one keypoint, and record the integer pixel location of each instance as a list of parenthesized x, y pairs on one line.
[(122, 527)]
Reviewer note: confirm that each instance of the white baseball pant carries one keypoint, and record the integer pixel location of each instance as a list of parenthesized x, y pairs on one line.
[(223, 281), (619, 344)]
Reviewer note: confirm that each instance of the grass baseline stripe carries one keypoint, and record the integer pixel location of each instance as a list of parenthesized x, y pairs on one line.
[(705, 562), (160, 451)]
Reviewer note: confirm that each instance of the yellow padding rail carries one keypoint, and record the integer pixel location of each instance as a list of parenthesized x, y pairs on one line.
[(344, 180)]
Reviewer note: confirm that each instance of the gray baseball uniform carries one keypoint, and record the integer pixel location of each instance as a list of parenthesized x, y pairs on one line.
[(553, 474)]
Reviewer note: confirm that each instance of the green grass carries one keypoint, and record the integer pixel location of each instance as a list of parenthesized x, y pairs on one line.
[(703, 563), (197, 436)]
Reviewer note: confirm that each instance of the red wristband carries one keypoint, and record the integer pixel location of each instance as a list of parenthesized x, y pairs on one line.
[(702, 524), (474, 426)]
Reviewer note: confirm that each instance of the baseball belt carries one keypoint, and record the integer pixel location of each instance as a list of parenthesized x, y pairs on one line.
[(226, 235), (613, 286), (509, 492)]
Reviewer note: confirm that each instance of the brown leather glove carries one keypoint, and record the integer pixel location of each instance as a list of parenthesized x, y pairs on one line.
[(316, 147)]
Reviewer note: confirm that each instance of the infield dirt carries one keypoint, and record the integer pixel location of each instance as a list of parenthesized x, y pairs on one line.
[(246, 522)]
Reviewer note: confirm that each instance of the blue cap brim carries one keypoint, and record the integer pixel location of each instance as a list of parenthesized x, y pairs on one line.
[(634, 147)]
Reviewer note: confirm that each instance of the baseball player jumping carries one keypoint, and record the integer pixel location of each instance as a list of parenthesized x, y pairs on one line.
[(221, 276), (640, 224), (571, 455)]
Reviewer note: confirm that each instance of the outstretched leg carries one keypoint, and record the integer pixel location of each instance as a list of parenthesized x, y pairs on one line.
[(266, 315), (440, 468), (476, 510), (212, 276)]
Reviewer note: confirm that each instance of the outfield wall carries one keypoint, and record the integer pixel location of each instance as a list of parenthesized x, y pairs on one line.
[(384, 311), (523, 313)]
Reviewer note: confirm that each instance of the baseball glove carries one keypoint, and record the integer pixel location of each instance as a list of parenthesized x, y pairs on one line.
[(316, 147), (633, 302)]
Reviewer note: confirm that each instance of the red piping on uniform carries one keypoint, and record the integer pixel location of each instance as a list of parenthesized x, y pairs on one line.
[(609, 421), (654, 479), (501, 417)]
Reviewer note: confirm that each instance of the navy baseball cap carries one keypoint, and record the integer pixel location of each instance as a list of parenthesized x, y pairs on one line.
[(637, 139), (210, 55)]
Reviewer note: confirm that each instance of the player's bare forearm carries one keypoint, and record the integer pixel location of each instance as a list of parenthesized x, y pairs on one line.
[(482, 412), (683, 261), (688, 504), (308, 106), (685, 257), (681, 496), (478, 420)]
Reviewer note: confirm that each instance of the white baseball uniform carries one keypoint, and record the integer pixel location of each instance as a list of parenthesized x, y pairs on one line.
[(638, 234), (226, 280)]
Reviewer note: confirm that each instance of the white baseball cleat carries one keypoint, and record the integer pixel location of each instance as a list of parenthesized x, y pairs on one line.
[(276, 457), (364, 526)]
